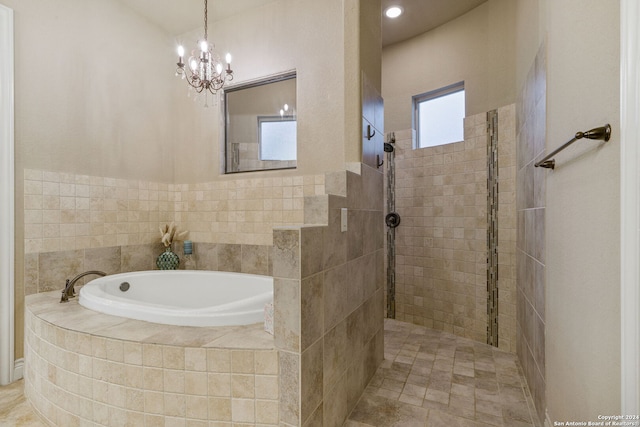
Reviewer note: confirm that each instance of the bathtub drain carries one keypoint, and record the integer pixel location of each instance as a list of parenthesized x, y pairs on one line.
[(124, 286)]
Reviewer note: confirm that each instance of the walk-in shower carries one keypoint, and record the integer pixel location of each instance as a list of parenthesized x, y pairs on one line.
[(450, 262)]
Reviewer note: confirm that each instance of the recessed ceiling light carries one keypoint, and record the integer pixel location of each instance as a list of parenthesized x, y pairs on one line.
[(393, 11)]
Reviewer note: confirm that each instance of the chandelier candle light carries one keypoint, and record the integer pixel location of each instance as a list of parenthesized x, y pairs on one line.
[(205, 71)]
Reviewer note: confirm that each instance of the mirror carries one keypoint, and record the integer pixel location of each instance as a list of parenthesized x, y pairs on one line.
[(260, 125)]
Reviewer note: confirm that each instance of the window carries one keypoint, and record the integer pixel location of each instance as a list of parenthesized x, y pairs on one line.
[(438, 116), (277, 138)]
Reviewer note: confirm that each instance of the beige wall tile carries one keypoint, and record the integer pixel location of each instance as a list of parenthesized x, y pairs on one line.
[(286, 254), (311, 378), (286, 300), (197, 407), (219, 384), (218, 360), (219, 408), (266, 362), (289, 398)]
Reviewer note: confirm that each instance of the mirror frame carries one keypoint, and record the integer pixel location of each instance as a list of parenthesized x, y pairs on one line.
[(287, 75)]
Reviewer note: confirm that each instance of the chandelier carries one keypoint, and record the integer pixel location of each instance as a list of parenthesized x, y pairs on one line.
[(205, 71)]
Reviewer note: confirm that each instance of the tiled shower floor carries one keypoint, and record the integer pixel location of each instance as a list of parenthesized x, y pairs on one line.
[(435, 379), (428, 379)]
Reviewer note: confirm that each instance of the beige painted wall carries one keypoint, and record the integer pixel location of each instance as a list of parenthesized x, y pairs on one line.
[(477, 48), (583, 199), (80, 107), (93, 90), (303, 35), (582, 205), (531, 24)]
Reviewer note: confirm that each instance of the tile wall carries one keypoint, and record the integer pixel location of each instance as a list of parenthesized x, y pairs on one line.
[(531, 201), (507, 227), (68, 212), (328, 284), (441, 243), (328, 294), (75, 223), (47, 271)]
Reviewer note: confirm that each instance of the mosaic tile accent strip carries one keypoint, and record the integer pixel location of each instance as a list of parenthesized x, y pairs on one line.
[(390, 295), (492, 228)]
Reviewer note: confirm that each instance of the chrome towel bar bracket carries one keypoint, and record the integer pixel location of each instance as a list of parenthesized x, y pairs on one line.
[(603, 133)]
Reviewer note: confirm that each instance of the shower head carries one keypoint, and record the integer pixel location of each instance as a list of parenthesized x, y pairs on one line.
[(388, 148)]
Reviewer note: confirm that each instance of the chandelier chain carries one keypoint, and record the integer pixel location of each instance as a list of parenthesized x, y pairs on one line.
[(206, 13)]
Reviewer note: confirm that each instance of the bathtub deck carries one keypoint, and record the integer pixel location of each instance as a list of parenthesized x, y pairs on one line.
[(74, 317)]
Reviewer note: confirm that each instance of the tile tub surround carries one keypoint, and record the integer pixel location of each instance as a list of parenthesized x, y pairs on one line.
[(441, 243), (47, 271), (88, 368), (64, 211)]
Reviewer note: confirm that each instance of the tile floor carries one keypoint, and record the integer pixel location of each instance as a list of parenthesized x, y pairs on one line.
[(15, 411), (428, 379), (434, 379)]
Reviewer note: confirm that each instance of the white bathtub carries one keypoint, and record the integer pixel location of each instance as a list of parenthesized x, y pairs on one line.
[(178, 297)]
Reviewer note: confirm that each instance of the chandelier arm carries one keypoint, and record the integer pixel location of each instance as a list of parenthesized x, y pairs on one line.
[(194, 81)]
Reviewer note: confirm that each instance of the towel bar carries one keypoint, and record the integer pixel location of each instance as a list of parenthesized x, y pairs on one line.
[(603, 132)]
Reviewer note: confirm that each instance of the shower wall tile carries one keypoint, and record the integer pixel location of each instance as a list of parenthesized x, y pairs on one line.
[(333, 279), (333, 240), (311, 263), (286, 253), (441, 244), (530, 245), (287, 314), (507, 225), (311, 378), (312, 316)]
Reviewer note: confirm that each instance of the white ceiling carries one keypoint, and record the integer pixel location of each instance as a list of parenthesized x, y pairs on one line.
[(421, 16), (180, 16)]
